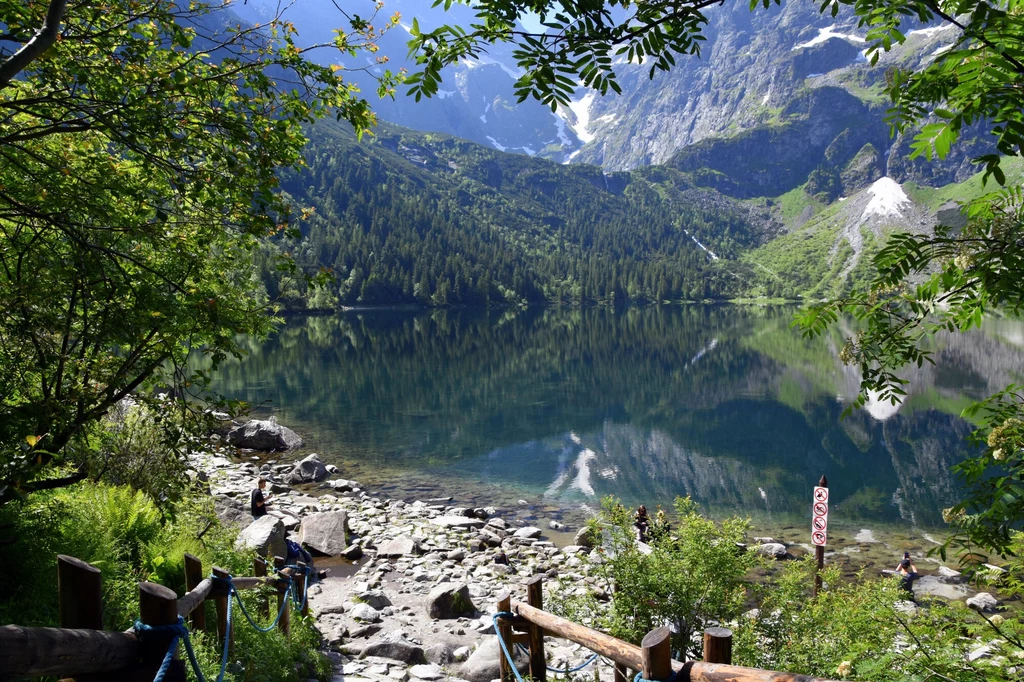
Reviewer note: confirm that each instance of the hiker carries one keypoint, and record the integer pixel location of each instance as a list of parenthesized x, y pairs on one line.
[(908, 574), (259, 499), (297, 553), (641, 522)]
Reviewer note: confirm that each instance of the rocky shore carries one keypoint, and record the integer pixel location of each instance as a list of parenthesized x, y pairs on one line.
[(413, 584)]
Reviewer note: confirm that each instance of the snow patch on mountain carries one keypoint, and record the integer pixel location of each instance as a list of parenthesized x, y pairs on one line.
[(825, 34), (930, 32), (496, 145), (581, 110), (887, 199)]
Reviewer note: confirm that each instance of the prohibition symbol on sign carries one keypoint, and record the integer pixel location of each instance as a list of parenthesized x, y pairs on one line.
[(820, 523), (818, 538), (820, 494), (820, 509)]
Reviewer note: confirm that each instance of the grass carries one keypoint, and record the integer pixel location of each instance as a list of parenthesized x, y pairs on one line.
[(971, 188)]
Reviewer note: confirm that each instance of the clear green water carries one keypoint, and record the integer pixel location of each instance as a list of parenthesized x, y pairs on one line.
[(727, 404)]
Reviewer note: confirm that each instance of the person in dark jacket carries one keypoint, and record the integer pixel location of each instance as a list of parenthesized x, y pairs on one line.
[(260, 500)]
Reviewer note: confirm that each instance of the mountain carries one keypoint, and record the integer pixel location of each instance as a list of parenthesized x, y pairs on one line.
[(787, 79), (407, 217), (476, 100)]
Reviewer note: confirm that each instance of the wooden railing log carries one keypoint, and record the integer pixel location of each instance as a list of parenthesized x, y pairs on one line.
[(193, 578), (282, 587), (718, 645), (535, 596), (193, 601), (505, 632), (259, 570), (221, 602), (79, 594), (158, 605), (656, 652), (38, 652), (621, 652)]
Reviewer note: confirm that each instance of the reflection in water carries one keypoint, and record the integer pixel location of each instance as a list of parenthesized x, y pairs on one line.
[(726, 404)]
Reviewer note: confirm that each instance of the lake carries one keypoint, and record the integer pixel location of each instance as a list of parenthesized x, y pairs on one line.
[(562, 406)]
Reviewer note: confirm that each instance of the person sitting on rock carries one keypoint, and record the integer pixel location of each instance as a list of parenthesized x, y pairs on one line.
[(642, 523), (259, 499)]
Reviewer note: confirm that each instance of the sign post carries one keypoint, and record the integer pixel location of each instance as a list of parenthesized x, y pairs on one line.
[(819, 529)]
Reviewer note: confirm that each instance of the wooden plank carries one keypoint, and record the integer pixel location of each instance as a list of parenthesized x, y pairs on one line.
[(38, 652), (252, 582), (79, 593), (695, 671), (193, 601)]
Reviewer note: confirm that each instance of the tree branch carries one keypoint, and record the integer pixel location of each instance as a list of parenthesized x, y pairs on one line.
[(33, 49)]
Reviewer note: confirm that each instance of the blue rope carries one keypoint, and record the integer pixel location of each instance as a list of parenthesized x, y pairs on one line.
[(672, 678), (578, 668), (180, 633), (280, 612), (504, 648)]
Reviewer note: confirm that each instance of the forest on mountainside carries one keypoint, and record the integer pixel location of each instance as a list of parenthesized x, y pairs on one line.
[(413, 218)]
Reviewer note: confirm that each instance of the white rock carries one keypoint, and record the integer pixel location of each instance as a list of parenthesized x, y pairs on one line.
[(528, 532)]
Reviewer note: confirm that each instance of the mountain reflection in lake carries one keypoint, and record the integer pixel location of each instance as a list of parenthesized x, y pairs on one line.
[(727, 404)]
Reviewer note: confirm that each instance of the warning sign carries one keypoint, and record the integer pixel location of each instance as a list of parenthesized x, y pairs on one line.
[(819, 517)]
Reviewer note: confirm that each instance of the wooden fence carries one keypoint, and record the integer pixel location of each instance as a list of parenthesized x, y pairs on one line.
[(81, 650), (530, 623)]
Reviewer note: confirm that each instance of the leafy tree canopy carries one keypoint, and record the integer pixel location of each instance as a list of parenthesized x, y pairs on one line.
[(139, 146)]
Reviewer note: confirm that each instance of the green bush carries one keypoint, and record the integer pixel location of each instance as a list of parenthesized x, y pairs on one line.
[(122, 532)]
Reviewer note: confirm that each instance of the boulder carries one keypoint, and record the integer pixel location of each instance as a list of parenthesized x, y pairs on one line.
[(528, 532), (584, 538), (265, 535), (984, 602), (230, 512), (325, 532), (352, 552), (403, 545), (375, 598), (457, 521), (258, 434), (442, 653), (937, 586), (310, 470), (396, 651), (776, 550), (365, 612), (482, 665), (449, 600), (428, 672)]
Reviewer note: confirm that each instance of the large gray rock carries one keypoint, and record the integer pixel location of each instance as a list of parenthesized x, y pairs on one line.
[(938, 586), (584, 537), (776, 550), (231, 512), (258, 434), (396, 651), (325, 532), (375, 598), (453, 521), (528, 532), (482, 665), (265, 535), (449, 600), (365, 612), (984, 602), (310, 470), (403, 545)]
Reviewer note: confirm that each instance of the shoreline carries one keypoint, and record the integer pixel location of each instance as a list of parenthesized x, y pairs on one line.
[(377, 612)]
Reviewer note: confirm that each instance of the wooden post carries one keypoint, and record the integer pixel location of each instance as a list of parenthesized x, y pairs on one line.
[(620, 673), (221, 602), (505, 632), (80, 594), (819, 551), (535, 598), (656, 653), (194, 576), (259, 570), (301, 582), (718, 645), (158, 605), (282, 589)]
